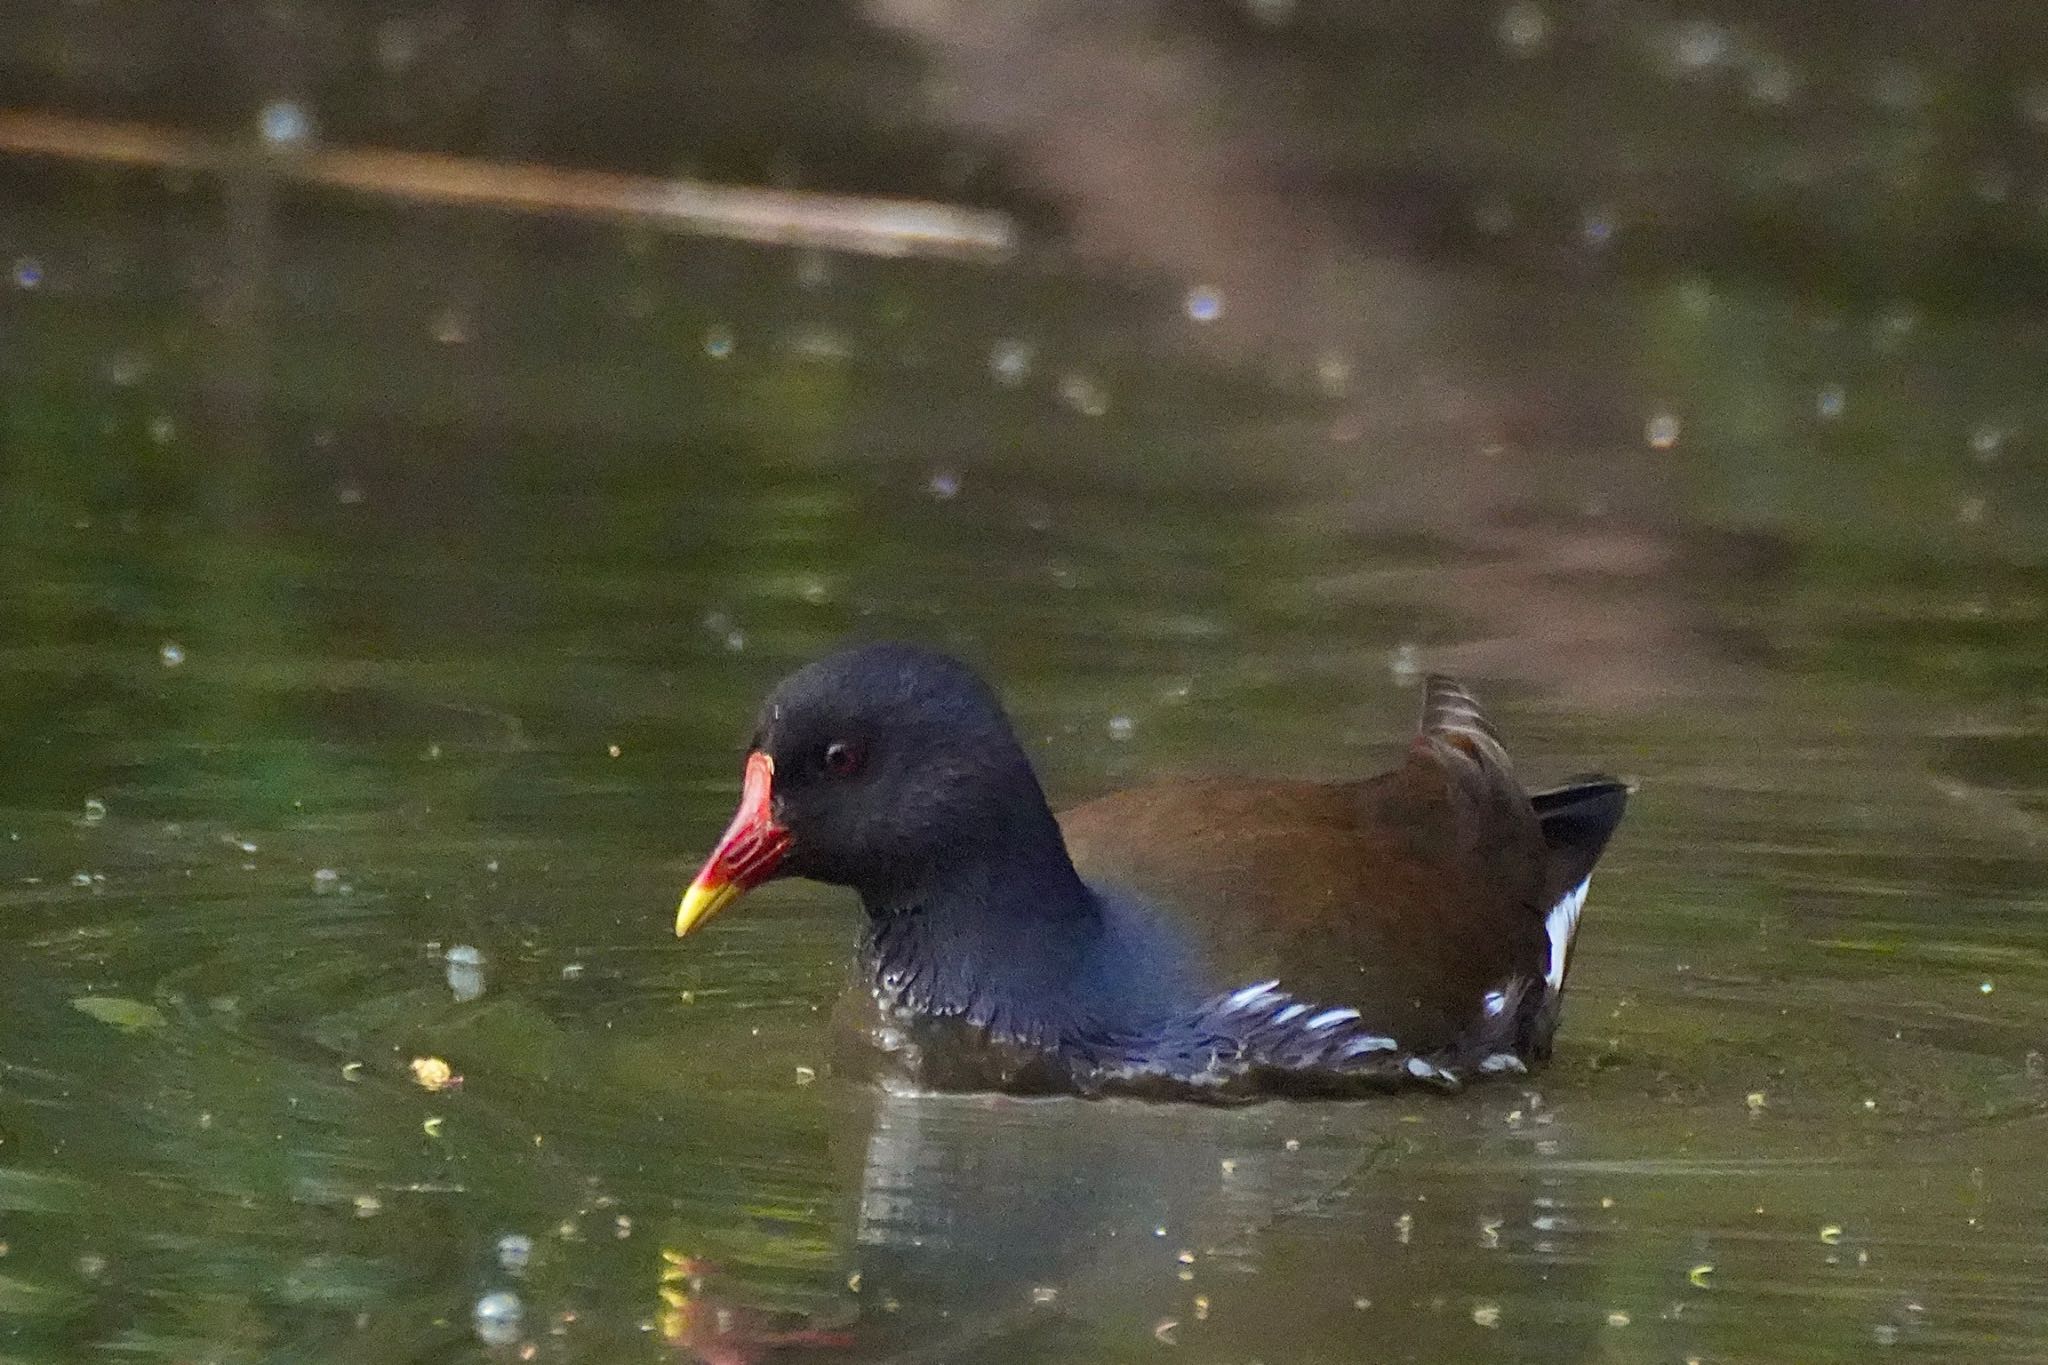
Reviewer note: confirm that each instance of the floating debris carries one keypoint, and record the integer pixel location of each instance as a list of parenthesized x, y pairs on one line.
[(130, 1016), (465, 972), (433, 1073)]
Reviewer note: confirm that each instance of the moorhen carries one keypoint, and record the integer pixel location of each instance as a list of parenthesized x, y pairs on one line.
[(1204, 939)]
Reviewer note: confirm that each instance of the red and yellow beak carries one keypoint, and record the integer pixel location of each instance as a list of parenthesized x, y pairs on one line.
[(746, 854)]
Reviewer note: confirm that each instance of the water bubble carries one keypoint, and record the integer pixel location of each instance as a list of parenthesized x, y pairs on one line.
[(1772, 82), (1885, 1334), (943, 485), (95, 810), (325, 879), (1992, 184), (515, 1252), (1122, 727), (1661, 431), (81, 879), (162, 429), (1523, 28), (1829, 402), (498, 1318), (1900, 89), (28, 273), (465, 972), (820, 346), (451, 325), (1698, 45), (1010, 362), (1083, 395), (284, 124), (1986, 441), (1970, 511), (1204, 304), (719, 343), (1486, 1314), (126, 369), (1271, 13), (2032, 101), (1897, 323), (1404, 665), (398, 46), (1333, 374), (1494, 216), (170, 654), (813, 270)]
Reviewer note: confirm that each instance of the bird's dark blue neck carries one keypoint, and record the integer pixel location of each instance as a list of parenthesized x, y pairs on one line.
[(1010, 940)]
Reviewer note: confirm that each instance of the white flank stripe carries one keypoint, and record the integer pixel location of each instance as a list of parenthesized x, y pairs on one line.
[(1248, 995)]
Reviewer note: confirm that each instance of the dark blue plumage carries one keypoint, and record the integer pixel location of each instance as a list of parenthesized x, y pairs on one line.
[(988, 961)]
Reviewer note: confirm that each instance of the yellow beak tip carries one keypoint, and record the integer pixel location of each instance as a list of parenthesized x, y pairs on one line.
[(700, 903)]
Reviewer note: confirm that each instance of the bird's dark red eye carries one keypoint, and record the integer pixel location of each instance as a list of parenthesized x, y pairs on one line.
[(842, 758)]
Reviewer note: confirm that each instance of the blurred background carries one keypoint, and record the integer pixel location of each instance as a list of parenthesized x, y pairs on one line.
[(426, 427)]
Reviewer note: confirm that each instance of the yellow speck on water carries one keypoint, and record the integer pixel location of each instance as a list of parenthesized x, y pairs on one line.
[(432, 1073), (1486, 1314), (1361, 1303), (1699, 1276), (1044, 1294), (1755, 1100), (1164, 1331), (1831, 1234), (1617, 1318), (613, 750), (352, 1071), (853, 1282), (432, 1127), (1201, 1308), (805, 1075)]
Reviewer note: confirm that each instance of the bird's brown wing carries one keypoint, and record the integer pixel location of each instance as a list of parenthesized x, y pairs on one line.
[(1408, 896)]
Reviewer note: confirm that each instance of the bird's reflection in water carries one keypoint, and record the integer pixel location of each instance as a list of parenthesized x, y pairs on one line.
[(994, 1229)]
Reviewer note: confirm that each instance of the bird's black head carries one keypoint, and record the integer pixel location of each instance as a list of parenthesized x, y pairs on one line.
[(876, 768)]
